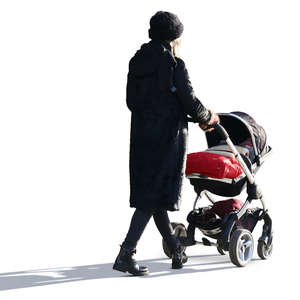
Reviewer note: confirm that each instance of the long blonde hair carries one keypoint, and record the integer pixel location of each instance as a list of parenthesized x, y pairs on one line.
[(174, 46)]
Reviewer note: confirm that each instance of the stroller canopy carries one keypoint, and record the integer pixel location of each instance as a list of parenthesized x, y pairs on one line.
[(240, 127)]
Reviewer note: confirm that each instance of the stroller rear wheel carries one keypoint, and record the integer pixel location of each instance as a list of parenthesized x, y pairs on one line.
[(180, 232), (241, 247)]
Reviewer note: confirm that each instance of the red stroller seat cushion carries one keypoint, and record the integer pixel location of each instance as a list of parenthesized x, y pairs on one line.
[(212, 165), (224, 207)]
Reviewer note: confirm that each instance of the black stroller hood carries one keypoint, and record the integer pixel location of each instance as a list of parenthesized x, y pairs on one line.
[(240, 126)]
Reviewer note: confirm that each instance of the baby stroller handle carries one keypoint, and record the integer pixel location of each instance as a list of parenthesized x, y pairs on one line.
[(223, 133), (221, 130), (254, 192)]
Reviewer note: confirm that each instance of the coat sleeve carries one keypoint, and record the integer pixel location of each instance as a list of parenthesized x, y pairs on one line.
[(130, 92), (184, 90)]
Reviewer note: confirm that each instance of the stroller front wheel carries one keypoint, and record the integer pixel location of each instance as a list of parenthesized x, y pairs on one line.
[(241, 247), (264, 251)]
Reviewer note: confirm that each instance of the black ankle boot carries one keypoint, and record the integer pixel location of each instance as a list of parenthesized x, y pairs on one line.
[(178, 258), (125, 263)]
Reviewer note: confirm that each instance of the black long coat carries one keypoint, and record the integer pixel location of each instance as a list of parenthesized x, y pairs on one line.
[(160, 96)]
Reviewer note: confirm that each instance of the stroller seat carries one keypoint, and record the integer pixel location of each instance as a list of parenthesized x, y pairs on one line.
[(250, 141)]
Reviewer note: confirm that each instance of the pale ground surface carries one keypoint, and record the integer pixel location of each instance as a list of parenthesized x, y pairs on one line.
[(207, 274)]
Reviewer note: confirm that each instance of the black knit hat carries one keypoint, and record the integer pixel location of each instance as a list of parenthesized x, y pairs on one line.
[(165, 26)]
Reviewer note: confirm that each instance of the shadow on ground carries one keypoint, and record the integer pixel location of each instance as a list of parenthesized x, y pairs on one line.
[(158, 267)]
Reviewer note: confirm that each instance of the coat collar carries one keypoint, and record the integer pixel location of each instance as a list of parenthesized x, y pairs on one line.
[(164, 44), (166, 48)]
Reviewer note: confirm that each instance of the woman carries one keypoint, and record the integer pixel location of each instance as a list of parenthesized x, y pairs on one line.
[(159, 96)]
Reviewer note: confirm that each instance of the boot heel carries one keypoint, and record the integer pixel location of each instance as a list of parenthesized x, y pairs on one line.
[(120, 268)]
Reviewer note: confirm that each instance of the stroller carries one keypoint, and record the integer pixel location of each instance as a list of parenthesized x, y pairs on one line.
[(237, 149)]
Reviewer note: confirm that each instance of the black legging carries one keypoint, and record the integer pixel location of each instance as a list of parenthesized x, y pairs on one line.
[(139, 222)]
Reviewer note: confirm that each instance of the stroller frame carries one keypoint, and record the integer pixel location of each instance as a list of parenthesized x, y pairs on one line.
[(230, 235)]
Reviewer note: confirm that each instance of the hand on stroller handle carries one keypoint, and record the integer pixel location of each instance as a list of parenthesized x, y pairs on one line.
[(217, 126)]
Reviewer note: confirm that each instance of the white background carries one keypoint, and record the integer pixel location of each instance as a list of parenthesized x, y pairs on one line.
[(64, 142)]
